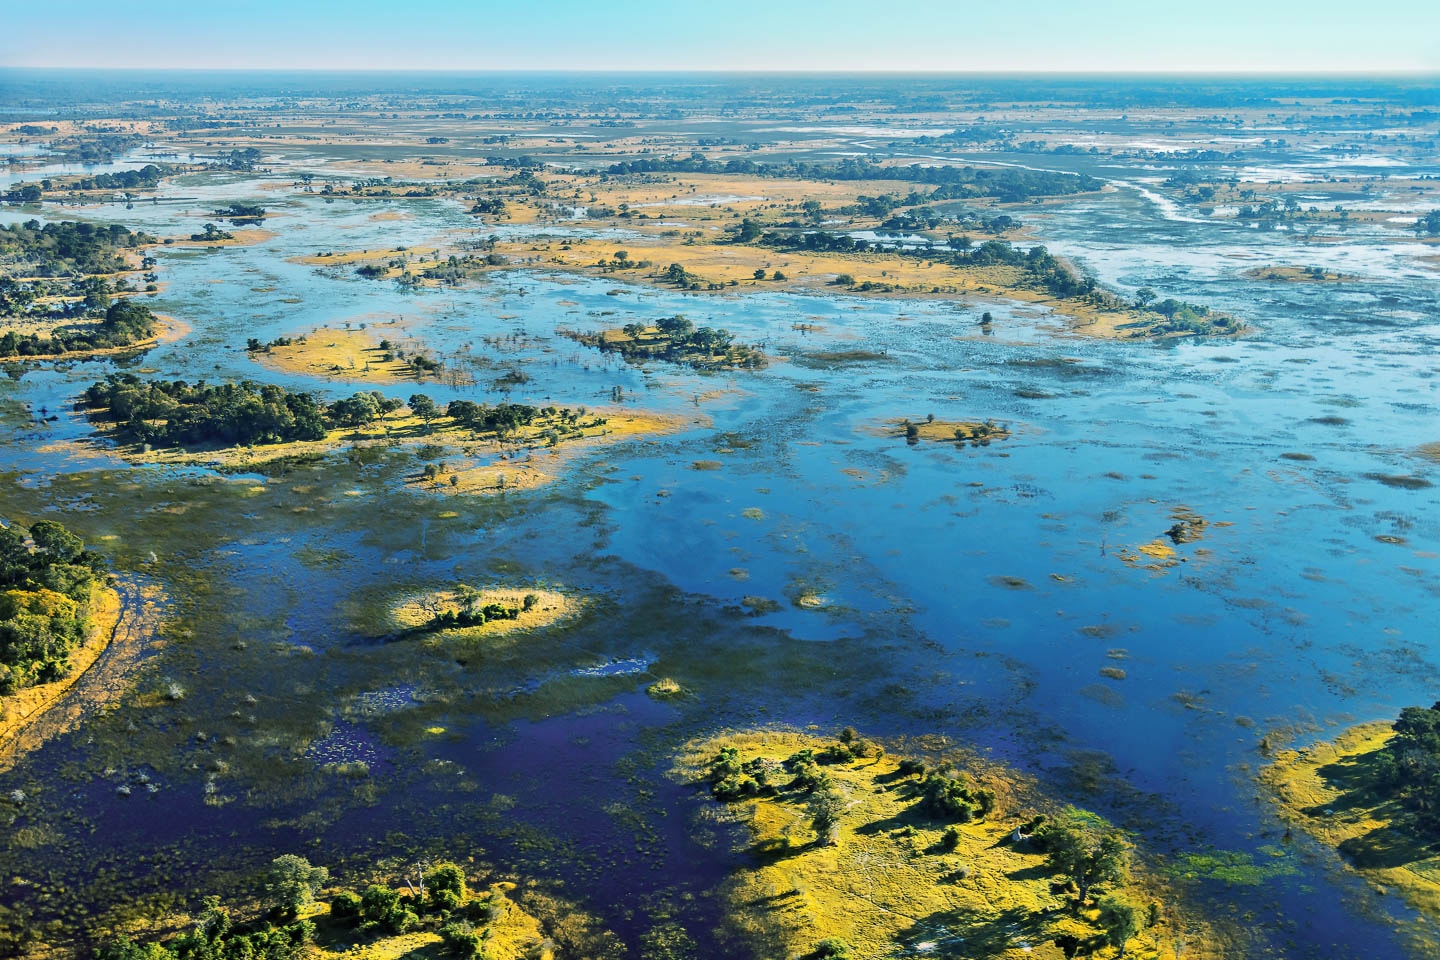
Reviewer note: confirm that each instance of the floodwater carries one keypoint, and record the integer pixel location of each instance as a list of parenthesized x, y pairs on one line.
[(975, 591)]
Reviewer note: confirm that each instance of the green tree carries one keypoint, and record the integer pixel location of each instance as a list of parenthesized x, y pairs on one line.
[(1086, 849), (826, 806), (424, 408), (291, 884), (1120, 919)]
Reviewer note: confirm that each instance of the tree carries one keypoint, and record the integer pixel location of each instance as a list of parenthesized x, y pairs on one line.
[(291, 884), (1120, 919), (825, 809), (1144, 297), (356, 410), (1086, 849), (424, 408)]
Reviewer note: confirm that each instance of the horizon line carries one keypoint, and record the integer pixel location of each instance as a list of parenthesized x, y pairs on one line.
[(755, 71)]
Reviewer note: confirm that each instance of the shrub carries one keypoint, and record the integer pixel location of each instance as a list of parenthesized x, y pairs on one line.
[(460, 939), (346, 908)]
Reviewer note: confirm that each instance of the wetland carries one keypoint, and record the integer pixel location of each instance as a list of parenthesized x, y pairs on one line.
[(537, 449)]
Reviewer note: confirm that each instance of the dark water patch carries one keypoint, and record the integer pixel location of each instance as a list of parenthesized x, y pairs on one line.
[(1400, 481)]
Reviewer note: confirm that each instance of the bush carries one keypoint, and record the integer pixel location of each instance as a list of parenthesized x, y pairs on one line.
[(831, 948), (950, 839), (460, 939), (346, 908)]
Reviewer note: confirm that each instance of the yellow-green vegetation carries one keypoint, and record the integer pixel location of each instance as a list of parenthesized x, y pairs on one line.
[(1294, 274), (677, 340), (349, 355), (1370, 794), (48, 584), (433, 911), (509, 446), (467, 613), (855, 852), (960, 432), (22, 708), (1161, 553)]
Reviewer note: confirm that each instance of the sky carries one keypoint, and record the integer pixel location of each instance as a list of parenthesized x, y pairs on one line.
[(1247, 36)]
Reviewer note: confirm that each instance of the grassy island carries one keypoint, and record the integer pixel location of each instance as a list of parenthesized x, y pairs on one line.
[(858, 853), (1373, 794), (508, 446), (958, 432), (676, 340), (466, 612)]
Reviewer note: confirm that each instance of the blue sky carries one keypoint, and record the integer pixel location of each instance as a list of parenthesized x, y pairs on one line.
[(929, 35)]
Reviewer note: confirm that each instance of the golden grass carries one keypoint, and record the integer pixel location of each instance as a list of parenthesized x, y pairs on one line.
[(482, 472), (1329, 792), (946, 431), (239, 237), (351, 257), (350, 355), (550, 608), (888, 884)]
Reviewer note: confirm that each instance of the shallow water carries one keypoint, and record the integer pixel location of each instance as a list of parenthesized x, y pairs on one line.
[(981, 585)]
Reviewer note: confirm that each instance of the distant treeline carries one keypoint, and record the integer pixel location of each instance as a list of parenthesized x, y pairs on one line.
[(1007, 184), (147, 177), (1040, 266), (46, 576), (125, 323)]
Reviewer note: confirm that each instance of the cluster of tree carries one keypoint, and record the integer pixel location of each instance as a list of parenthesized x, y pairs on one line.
[(474, 616), (731, 779), (1409, 765), (677, 340), (254, 345), (175, 413), (1042, 269), (95, 147), (240, 212), (442, 902), (955, 798), (1008, 184), (483, 418), (67, 247), (46, 579), (243, 159), (212, 232), (1429, 225), (146, 178), (125, 323)]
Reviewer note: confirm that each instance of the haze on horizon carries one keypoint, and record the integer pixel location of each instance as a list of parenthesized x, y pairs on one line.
[(1105, 36)]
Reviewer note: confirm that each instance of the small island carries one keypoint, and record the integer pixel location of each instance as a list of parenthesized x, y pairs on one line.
[(675, 340), (245, 424)]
